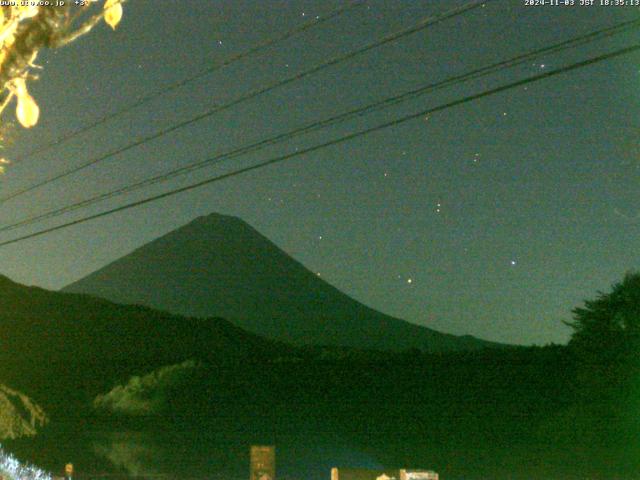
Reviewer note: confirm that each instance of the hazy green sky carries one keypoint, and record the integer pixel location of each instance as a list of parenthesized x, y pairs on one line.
[(494, 218)]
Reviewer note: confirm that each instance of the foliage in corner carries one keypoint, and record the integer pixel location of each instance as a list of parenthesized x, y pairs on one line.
[(609, 326), (26, 29)]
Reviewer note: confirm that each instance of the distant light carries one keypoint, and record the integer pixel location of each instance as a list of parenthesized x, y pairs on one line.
[(513, 262), (409, 280)]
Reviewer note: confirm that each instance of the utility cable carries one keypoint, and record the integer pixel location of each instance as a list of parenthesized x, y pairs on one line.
[(186, 81), (423, 24), (336, 141), (316, 125)]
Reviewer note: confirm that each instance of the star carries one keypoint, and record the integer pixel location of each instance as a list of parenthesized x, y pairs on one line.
[(409, 280), (513, 262)]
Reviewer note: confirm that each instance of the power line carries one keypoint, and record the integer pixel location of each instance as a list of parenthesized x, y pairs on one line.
[(423, 24), (483, 71), (392, 123), (202, 73)]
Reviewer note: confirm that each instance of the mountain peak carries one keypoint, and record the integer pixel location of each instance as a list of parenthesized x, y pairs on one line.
[(216, 218), (218, 265)]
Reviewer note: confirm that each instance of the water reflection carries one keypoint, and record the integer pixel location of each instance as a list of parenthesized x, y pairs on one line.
[(195, 454), (135, 454)]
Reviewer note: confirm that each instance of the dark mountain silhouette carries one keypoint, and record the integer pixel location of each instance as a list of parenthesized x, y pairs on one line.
[(545, 412), (220, 266), (63, 349)]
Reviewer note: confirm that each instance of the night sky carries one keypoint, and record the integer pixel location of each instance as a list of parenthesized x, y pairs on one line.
[(493, 218)]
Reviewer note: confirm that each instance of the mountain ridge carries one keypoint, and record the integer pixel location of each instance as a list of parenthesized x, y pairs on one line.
[(62, 349), (218, 265)]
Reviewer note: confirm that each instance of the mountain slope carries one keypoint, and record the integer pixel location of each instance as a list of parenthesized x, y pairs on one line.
[(219, 265), (63, 349)]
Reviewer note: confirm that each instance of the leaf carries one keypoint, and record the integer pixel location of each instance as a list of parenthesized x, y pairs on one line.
[(27, 110), (112, 13)]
